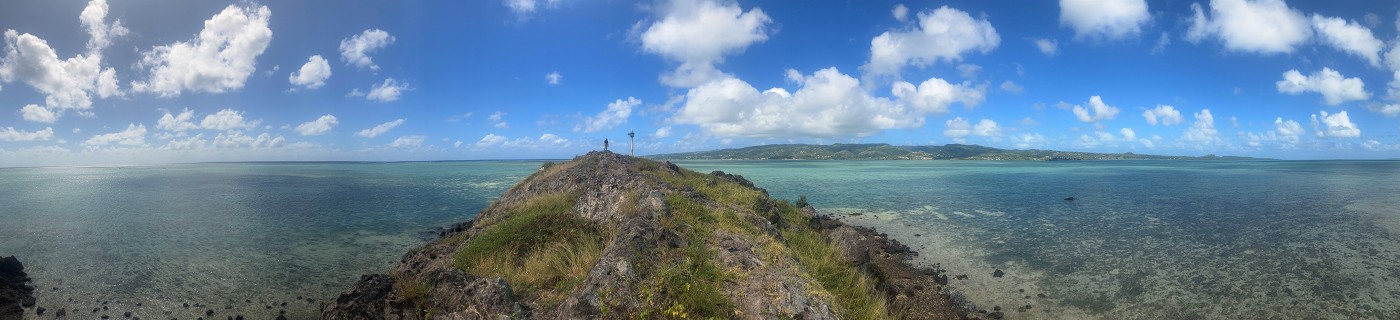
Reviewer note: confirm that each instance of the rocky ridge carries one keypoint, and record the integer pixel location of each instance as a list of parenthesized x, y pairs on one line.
[(612, 236)]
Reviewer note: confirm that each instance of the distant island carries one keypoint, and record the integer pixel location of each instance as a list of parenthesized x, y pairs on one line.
[(882, 151)]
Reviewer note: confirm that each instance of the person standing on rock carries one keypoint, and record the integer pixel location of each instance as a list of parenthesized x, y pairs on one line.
[(605, 145)]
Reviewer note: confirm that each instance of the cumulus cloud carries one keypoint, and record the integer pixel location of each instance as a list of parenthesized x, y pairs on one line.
[(379, 129), (524, 8), (1027, 140), (134, 135), (1335, 88), (178, 123), (1047, 46), (355, 50), (238, 140), (1203, 130), (219, 59), (497, 119), (1128, 134), (1164, 114), (69, 83), (1258, 26), (827, 103), (942, 34), (1336, 125), (387, 91), (12, 134), (698, 34), (662, 132), (958, 129), (227, 119), (1097, 111), (407, 142), (553, 77), (317, 127), (615, 115), (1350, 37), (1288, 130), (986, 128), (1104, 19), (313, 74), (490, 140), (35, 113)]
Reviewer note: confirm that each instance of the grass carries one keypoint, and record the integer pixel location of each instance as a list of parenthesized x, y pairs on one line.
[(539, 247), (684, 282), (854, 291)]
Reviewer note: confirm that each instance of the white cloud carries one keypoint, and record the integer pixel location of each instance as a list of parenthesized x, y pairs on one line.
[(1335, 88), (827, 103), (317, 127), (1027, 140), (525, 7), (1350, 37), (1288, 130), (178, 123), (1388, 110), (1164, 114), (1104, 19), (313, 74), (1259, 26), (134, 135), (220, 59), (1097, 111), (615, 115), (379, 129), (70, 83), (490, 140), (1337, 125), (100, 34), (238, 140), (227, 119), (387, 91), (900, 12), (1047, 46), (496, 117), (1011, 87), (662, 132), (35, 113), (698, 34), (986, 128), (355, 50), (1203, 130), (934, 95), (191, 143), (553, 77), (942, 34), (407, 142), (12, 134), (958, 129), (1128, 134)]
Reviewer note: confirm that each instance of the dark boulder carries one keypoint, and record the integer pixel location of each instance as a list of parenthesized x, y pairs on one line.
[(15, 293)]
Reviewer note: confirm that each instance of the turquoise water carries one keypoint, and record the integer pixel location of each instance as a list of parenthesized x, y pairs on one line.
[(1143, 239), (241, 236)]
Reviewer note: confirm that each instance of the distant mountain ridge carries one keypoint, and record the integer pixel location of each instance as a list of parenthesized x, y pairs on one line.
[(883, 151)]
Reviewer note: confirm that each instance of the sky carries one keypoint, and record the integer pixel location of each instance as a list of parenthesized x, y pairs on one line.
[(145, 82)]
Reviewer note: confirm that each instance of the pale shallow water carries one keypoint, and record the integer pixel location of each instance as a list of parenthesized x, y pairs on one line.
[(241, 236), (1143, 240)]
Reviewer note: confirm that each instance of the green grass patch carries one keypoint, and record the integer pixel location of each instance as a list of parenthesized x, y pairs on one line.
[(684, 282), (538, 247), (854, 291), (714, 188)]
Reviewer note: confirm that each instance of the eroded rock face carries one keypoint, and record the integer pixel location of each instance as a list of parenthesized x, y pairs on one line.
[(15, 292), (615, 192)]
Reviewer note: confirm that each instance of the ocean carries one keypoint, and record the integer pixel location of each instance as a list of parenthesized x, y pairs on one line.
[(1141, 240)]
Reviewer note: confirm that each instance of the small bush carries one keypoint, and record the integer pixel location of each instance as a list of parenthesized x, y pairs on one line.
[(802, 202)]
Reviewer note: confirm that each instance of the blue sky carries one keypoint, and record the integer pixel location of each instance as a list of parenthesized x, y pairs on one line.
[(137, 82)]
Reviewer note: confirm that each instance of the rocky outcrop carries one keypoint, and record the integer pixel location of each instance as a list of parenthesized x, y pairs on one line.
[(15, 292), (675, 243)]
